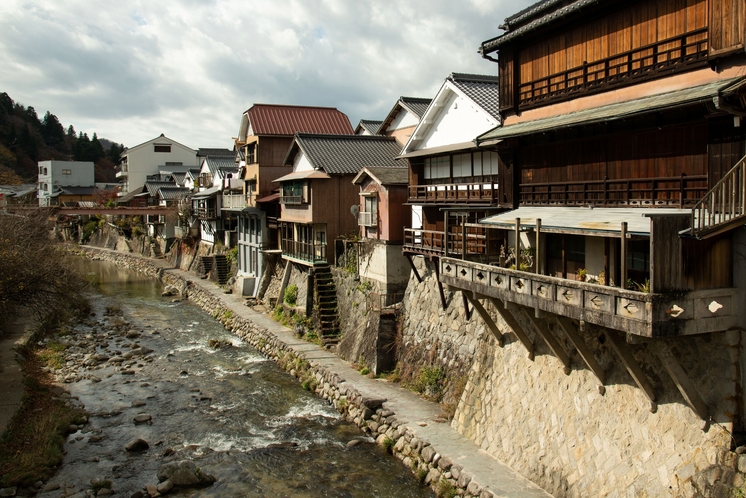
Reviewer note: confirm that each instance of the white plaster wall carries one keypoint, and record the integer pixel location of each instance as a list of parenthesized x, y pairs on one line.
[(403, 120), (302, 163), (384, 263), (459, 121), (143, 161)]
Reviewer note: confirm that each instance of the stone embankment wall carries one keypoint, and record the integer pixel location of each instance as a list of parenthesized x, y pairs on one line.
[(558, 429), (425, 461)]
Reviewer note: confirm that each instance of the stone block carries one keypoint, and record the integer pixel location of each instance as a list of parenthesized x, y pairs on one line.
[(464, 479), (444, 464), (428, 453)]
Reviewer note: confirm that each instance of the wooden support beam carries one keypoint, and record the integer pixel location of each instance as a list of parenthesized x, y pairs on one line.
[(634, 369), (467, 311), (414, 268), (585, 352), (513, 324), (440, 285), (486, 317), (623, 257), (682, 380), (541, 328), (539, 249)]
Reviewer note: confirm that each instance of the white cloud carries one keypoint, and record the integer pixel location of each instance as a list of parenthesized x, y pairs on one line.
[(188, 68)]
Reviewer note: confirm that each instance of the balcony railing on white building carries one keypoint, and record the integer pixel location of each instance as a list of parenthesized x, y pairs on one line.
[(234, 201)]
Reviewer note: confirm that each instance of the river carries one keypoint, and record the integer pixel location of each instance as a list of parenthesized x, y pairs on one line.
[(233, 412)]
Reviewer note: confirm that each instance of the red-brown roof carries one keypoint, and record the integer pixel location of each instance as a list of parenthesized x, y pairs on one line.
[(288, 120)]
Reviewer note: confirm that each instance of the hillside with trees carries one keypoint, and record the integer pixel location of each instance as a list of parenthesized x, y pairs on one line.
[(25, 139)]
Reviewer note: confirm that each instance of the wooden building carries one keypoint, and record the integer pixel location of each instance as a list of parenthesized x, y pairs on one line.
[(265, 135), (621, 171)]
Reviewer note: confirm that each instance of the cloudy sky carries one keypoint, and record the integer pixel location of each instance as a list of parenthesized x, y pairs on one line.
[(131, 70)]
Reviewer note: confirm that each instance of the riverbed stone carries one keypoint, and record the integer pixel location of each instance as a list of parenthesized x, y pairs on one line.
[(137, 445), (142, 418), (8, 491), (165, 486)]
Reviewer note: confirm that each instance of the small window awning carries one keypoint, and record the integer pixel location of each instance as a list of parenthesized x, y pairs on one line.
[(430, 151), (268, 198), (605, 222), (312, 174), (620, 110)]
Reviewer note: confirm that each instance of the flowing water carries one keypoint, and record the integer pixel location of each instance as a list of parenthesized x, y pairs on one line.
[(237, 415)]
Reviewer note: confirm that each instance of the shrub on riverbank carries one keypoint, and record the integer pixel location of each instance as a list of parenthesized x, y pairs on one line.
[(32, 445), (35, 274)]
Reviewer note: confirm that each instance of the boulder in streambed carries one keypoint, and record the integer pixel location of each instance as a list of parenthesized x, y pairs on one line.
[(142, 418), (184, 474), (137, 445)]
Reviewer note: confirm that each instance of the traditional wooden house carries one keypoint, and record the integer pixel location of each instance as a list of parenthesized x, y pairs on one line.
[(403, 118), (265, 134), (216, 175), (383, 217), (620, 151)]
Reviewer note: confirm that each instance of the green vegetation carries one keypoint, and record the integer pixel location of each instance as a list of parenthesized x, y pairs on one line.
[(25, 139), (232, 255), (445, 489), (388, 444), (429, 382), (291, 294), (422, 474), (52, 356), (365, 286), (32, 445)]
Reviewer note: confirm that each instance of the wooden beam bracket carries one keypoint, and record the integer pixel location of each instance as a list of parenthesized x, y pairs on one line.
[(682, 381), (513, 324), (467, 311), (414, 268), (440, 285), (625, 354), (585, 352), (541, 328), (486, 317)]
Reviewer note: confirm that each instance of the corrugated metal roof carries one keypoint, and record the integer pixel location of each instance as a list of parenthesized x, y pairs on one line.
[(345, 154), (482, 89), (621, 110), (288, 120), (493, 44), (578, 219)]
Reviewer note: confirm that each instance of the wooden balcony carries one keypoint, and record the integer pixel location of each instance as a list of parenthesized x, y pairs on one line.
[(676, 191), (307, 252), (428, 242), (234, 201), (638, 313), (724, 206), (434, 243), (446, 193), (206, 213), (647, 62)]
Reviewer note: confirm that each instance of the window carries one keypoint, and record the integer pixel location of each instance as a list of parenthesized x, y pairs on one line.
[(67, 172), (369, 216), (574, 254), (162, 148), (294, 193), (251, 153), (174, 163), (437, 167)]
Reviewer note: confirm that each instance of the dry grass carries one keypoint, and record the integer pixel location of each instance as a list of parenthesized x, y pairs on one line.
[(32, 445)]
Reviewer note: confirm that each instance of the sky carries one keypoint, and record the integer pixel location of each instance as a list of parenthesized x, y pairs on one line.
[(131, 70)]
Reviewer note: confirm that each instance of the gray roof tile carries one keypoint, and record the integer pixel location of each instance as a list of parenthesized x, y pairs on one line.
[(345, 154), (482, 89)]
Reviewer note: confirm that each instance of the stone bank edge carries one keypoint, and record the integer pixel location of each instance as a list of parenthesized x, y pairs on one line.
[(368, 414)]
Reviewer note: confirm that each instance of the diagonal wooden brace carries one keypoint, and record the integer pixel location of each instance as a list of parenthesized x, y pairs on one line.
[(513, 324), (585, 352), (682, 380), (486, 318), (414, 268), (634, 369), (541, 328)]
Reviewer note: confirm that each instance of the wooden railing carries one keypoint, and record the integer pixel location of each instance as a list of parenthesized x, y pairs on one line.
[(424, 241), (206, 213), (476, 240), (679, 191), (683, 50), (304, 251), (723, 204), (455, 192), (234, 201)]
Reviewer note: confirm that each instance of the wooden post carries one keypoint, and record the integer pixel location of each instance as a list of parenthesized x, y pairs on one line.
[(634, 369), (683, 382), (445, 233), (623, 257), (538, 259), (517, 243), (607, 275), (486, 317), (463, 237)]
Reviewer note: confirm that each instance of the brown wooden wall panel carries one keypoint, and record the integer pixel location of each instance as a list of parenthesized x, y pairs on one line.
[(707, 264), (726, 26), (507, 87), (665, 254), (272, 150), (632, 27), (726, 147)]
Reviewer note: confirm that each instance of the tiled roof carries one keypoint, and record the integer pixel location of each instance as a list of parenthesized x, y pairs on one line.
[(154, 186), (221, 164), (179, 178), (416, 105), (493, 44), (131, 194), (173, 193), (387, 176), (288, 120), (215, 152), (346, 154), (482, 89), (78, 190), (530, 11), (369, 125)]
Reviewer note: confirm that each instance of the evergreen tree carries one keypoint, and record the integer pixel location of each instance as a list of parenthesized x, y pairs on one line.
[(53, 132), (97, 150)]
